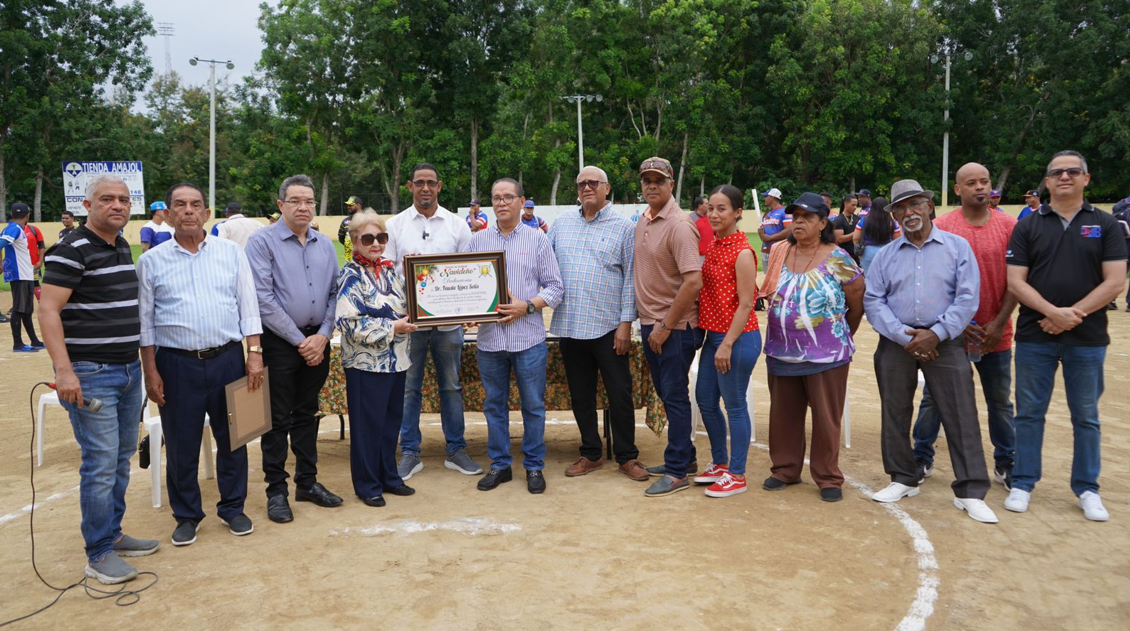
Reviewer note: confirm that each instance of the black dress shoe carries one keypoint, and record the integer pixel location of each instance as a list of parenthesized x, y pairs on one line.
[(535, 482), (494, 477), (376, 502), (319, 495), (403, 490), (278, 509), (831, 494)]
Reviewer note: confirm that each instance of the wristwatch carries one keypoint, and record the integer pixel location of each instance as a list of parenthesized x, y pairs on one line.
[(255, 349), (530, 308)]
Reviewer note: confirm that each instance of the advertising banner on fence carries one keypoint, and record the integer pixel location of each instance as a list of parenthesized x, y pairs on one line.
[(76, 175)]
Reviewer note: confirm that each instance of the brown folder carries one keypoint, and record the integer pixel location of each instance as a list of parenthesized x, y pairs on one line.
[(249, 413)]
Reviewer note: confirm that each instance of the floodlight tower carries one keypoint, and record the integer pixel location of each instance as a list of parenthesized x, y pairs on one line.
[(946, 135), (212, 126), (167, 30), (578, 99)]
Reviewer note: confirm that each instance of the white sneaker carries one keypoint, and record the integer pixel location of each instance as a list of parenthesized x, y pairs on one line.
[(978, 510), (895, 492), (1092, 506), (1017, 501)]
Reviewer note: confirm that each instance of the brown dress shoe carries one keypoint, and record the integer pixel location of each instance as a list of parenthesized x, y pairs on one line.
[(635, 470), (583, 466)]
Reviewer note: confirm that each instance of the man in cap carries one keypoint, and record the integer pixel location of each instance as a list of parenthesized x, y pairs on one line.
[(352, 206), (702, 223), (1032, 199), (668, 276), (776, 223), (1064, 263), (19, 273), (273, 218), (532, 220), (237, 228), (68, 221), (994, 199), (156, 231), (922, 293), (864, 197), (989, 336), (476, 218)]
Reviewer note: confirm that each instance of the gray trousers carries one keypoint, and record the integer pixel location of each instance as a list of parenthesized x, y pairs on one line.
[(950, 379)]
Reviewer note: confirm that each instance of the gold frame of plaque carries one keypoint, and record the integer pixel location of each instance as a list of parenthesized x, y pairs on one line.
[(420, 269)]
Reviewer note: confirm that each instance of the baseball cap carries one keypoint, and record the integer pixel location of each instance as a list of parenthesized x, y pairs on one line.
[(773, 192), (475, 202), (353, 199), (810, 202), (155, 206), (234, 207), (655, 164), (274, 215), (19, 210), (529, 203), (866, 192), (994, 193), (1032, 193)]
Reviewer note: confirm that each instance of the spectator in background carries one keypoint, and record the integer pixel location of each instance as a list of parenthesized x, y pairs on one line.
[(232, 209), (873, 232), (832, 212), (20, 275), (1032, 198), (273, 218), (530, 219), (35, 249), (1121, 212), (476, 218), (994, 199), (775, 223), (237, 228), (844, 226), (864, 198), (702, 222), (156, 231), (68, 220), (352, 207)]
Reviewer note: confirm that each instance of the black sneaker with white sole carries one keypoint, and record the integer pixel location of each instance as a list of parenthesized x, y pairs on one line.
[(185, 534), (239, 525), (1002, 474), (925, 470)]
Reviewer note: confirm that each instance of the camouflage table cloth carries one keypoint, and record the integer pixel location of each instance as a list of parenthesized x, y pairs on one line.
[(331, 400)]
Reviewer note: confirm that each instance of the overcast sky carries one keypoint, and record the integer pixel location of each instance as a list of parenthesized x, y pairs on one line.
[(211, 29)]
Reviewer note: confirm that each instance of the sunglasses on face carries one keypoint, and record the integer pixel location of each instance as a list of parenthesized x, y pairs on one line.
[(593, 184), (368, 239), (1072, 173)]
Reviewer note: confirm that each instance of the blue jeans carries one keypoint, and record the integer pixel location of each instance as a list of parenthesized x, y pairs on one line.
[(529, 371), (670, 375), (995, 370), (1036, 364), (108, 439), (869, 252), (447, 350), (731, 387)]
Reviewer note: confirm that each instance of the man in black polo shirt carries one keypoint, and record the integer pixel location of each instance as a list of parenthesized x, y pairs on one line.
[(1065, 263), (89, 317)]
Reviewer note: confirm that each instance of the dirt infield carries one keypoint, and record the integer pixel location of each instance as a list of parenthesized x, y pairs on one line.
[(593, 551)]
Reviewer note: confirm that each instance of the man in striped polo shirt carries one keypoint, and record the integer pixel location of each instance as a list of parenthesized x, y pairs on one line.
[(517, 341), (89, 317), (197, 305)]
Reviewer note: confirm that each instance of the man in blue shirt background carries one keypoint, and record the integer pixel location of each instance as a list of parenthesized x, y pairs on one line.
[(776, 225), (530, 219), (20, 275)]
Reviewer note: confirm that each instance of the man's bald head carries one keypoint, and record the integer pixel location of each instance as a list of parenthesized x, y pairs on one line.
[(972, 185)]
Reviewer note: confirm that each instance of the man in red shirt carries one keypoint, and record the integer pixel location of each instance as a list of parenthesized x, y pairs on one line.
[(35, 246), (990, 334), (702, 222)]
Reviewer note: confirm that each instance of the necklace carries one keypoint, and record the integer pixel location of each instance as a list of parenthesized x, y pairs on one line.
[(796, 251)]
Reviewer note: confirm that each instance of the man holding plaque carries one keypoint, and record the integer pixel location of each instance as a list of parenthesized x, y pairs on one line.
[(594, 248), (197, 305), (516, 343), (425, 227), (668, 276)]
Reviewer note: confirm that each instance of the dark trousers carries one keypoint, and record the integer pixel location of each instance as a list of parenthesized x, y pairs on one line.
[(789, 401), (670, 375), (376, 408), (582, 360), (294, 413), (194, 387), (950, 379)]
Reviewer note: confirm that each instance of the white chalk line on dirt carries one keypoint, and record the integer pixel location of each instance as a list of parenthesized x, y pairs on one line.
[(474, 526), (915, 620)]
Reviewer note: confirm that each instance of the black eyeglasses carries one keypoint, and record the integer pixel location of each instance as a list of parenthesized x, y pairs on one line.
[(367, 239), (426, 183), (1073, 173)]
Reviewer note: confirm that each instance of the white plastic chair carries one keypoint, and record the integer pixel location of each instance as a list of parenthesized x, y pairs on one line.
[(153, 426), (46, 399), (696, 413)]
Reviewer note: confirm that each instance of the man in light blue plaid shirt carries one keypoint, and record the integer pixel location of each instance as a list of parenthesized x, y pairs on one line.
[(594, 248)]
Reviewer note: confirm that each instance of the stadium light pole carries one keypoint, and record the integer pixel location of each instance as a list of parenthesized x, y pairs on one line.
[(578, 99), (212, 127), (946, 134)]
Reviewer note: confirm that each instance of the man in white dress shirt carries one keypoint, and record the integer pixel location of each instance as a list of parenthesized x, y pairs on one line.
[(238, 226), (425, 227)]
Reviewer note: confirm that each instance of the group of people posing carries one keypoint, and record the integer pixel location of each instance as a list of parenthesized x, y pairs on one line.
[(203, 311)]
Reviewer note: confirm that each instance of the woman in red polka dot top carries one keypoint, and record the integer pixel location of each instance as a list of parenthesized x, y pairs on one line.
[(733, 342)]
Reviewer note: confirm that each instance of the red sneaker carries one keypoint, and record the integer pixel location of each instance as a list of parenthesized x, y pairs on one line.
[(729, 484), (712, 474)]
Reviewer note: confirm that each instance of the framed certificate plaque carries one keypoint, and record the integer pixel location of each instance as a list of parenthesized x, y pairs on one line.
[(455, 288)]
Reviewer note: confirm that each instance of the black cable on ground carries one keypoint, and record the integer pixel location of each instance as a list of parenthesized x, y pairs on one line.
[(122, 597)]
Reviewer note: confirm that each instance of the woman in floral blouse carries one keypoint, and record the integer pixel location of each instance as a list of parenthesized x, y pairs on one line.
[(733, 342), (808, 347), (371, 316)]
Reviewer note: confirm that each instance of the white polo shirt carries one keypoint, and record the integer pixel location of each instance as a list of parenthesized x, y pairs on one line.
[(409, 232), (239, 229)]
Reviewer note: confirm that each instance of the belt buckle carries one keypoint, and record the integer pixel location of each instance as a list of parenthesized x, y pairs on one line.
[(200, 355)]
